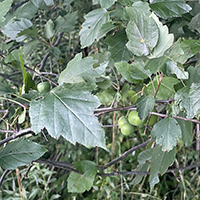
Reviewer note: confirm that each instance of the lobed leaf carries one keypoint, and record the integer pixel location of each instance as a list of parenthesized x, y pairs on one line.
[(80, 182), (167, 132), (68, 111), (92, 25)]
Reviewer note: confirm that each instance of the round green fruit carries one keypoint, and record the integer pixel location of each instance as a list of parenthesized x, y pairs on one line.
[(43, 87), (127, 129), (122, 120), (134, 119)]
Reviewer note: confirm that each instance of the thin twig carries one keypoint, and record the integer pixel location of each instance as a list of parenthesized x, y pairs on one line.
[(16, 135), (3, 176)]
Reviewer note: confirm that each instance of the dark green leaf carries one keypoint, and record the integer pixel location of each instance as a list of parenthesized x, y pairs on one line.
[(194, 73), (186, 128), (145, 104), (132, 72), (19, 153), (117, 46), (167, 132), (68, 111), (66, 23), (81, 182), (160, 162), (169, 8)]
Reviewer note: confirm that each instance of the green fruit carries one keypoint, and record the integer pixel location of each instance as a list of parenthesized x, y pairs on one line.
[(127, 129), (134, 119), (43, 87), (122, 120)]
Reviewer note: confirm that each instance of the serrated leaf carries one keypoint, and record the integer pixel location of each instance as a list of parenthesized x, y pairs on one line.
[(194, 74), (13, 28), (182, 98), (194, 95), (49, 29), (173, 68), (165, 40), (68, 111), (5, 6), (167, 132), (142, 32), (166, 88), (160, 162), (107, 3), (49, 2), (66, 23), (145, 104), (92, 25), (186, 128), (19, 153), (80, 70), (81, 182), (132, 72), (169, 8), (117, 46)]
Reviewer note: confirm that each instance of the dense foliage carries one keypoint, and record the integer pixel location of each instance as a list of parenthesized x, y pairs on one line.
[(70, 69)]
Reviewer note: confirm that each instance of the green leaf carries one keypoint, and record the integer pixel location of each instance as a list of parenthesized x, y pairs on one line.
[(172, 68), (66, 23), (92, 25), (19, 153), (13, 28), (26, 11), (117, 46), (68, 111), (165, 40), (79, 183), (160, 162), (156, 64), (182, 98), (49, 2), (6, 89), (80, 70), (38, 3), (186, 128), (106, 96), (194, 96), (49, 29), (106, 4), (194, 74), (194, 23), (166, 88), (108, 26), (145, 104), (5, 6), (167, 131), (142, 32), (169, 8), (132, 72)]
